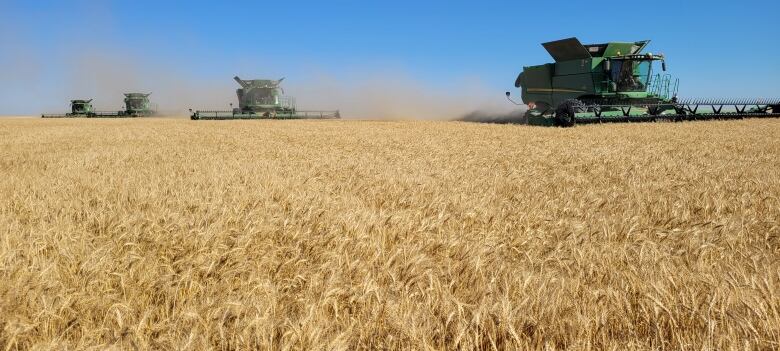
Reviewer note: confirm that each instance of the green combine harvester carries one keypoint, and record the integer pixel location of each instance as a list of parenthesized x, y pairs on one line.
[(78, 108), (136, 105), (263, 99), (614, 82)]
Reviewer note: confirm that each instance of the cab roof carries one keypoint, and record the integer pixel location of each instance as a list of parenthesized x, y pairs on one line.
[(572, 49)]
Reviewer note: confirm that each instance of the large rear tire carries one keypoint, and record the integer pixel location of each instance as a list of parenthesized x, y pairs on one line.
[(566, 112)]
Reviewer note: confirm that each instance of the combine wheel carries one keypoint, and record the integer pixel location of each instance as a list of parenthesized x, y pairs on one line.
[(566, 112)]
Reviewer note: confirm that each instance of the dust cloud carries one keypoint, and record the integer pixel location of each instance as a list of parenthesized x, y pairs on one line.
[(105, 77), (394, 95), (487, 116), (390, 95)]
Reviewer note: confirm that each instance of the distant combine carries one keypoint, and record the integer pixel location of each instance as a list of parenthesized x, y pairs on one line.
[(263, 99), (614, 82), (136, 105), (78, 108)]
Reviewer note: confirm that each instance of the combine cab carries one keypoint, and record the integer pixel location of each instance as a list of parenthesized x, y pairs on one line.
[(614, 82), (136, 105), (78, 108), (264, 99)]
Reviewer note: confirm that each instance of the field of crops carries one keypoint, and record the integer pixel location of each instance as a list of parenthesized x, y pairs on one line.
[(336, 235)]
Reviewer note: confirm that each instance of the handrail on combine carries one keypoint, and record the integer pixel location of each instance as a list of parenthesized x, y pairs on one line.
[(662, 86)]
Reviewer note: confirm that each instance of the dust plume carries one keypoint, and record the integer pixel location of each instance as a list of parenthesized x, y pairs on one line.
[(516, 116), (105, 77), (389, 94), (395, 94)]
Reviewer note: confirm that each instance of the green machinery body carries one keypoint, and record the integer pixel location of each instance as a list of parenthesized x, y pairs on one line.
[(136, 105), (615, 82), (263, 99), (78, 108)]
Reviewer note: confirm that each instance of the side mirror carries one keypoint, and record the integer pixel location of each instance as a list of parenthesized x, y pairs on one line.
[(510, 99), (607, 65), (663, 65)]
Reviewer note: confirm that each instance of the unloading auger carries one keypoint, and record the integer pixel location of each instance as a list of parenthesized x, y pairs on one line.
[(614, 82), (263, 99)]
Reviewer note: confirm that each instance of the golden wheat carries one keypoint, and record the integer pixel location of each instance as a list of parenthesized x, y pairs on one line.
[(336, 235)]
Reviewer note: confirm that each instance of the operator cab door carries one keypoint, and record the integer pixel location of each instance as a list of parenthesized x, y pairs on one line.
[(630, 75)]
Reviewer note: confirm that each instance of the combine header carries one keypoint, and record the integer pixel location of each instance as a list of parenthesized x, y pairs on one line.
[(614, 82), (264, 99), (136, 105)]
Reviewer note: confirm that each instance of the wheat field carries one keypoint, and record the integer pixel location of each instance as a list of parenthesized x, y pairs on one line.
[(340, 235)]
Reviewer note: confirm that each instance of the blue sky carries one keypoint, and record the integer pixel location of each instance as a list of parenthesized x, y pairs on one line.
[(442, 48)]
